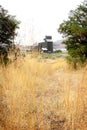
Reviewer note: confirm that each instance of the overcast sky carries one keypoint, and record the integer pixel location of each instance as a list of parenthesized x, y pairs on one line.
[(39, 17)]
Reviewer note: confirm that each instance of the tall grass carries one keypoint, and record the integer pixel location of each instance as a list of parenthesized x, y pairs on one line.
[(37, 94), (20, 82)]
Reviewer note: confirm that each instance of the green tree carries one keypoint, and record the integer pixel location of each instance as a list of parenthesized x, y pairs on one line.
[(8, 26), (74, 31)]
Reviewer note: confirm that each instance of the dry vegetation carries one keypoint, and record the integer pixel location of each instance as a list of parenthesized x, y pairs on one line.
[(37, 94)]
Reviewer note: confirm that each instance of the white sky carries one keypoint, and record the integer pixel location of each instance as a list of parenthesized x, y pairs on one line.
[(39, 17)]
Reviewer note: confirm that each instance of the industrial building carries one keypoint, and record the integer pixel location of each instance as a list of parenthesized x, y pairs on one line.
[(47, 45)]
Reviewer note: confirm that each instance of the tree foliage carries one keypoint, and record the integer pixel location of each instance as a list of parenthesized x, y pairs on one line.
[(74, 31), (8, 26)]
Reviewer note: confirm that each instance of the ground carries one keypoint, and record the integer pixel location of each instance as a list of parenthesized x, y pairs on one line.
[(43, 94)]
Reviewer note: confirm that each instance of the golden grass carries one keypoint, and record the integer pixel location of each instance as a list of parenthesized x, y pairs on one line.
[(37, 94)]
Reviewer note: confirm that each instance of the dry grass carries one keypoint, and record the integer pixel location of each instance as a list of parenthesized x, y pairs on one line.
[(37, 94)]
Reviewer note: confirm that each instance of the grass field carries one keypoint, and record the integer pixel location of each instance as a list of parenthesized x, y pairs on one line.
[(42, 94)]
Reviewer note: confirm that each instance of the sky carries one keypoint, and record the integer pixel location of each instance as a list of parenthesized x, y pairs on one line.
[(39, 17)]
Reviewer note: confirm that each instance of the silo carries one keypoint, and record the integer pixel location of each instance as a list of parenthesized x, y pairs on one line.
[(48, 40)]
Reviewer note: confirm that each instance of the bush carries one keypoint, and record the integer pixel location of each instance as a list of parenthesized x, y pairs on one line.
[(57, 51)]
